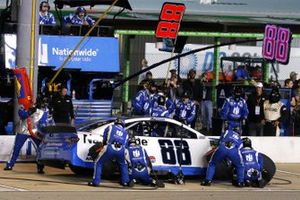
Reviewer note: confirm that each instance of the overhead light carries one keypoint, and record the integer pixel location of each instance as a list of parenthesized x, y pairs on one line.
[(208, 2)]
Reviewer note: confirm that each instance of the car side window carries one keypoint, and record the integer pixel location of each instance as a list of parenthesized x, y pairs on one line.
[(141, 128), (176, 131)]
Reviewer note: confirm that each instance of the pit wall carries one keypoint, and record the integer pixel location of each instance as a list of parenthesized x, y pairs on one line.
[(279, 149)]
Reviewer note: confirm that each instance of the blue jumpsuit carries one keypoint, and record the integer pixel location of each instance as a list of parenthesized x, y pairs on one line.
[(160, 111), (139, 102), (47, 19), (115, 139), (253, 162), (171, 105), (75, 19), (234, 111), (229, 147), (140, 164), (23, 133), (185, 112)]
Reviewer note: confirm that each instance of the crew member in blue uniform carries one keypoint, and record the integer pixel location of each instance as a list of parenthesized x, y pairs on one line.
[(139, 101), (80, 18), (115, 141), (241, 73), (185, 110), (229, 147), (253, 162), (160, 110), (235, 109), (152, 100), (39, 118), (45, 16), (140, 165)]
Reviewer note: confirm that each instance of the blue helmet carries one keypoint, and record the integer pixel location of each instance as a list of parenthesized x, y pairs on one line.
[(80, 9)]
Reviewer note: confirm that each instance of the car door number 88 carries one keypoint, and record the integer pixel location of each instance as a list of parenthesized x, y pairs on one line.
[(168, 152)]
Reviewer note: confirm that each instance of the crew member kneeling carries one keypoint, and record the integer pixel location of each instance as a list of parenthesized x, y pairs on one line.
[(140, 165), (253, 162)]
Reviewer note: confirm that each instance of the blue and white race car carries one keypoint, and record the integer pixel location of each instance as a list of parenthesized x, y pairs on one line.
[(66, 146), (172, 147)]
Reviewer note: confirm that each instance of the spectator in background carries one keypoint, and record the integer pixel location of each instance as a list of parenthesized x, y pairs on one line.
[(45, 16), (256, 118), (241, 74), (293, 77), (144, 66), (296, 115), (289, 84), (62, 106), (79, 18), (207, 104), (275, 114), (195, 89), (149, 76)]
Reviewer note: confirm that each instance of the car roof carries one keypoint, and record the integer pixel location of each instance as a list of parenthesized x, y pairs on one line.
[(137, 119)]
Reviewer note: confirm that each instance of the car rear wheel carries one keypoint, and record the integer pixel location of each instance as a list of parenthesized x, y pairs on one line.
[(81, 170)]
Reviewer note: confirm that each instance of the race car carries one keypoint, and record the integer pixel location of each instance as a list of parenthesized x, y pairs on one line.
[(161, 137), (172, 146)]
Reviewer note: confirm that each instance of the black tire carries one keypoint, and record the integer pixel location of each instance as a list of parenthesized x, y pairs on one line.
[(81, 170), (108, 170), (269, 169), (223, 169)]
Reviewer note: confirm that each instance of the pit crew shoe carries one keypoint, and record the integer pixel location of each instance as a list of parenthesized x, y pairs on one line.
[(129, 184), (7, 168), (40, 171), (206, 183), (159, 184), (92, 184), (240, 184)]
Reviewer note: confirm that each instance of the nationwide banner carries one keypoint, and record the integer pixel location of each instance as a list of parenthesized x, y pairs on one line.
[(96, 54), (204, 61)]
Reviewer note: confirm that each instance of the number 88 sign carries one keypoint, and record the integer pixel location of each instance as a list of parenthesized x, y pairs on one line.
[(276, 44)]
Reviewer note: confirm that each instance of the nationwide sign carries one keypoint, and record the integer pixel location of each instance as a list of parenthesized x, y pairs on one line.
[(96, 54)]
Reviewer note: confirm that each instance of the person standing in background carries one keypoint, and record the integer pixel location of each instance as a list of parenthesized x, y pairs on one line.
[(80, 18), (143, 75), (45, 17), (206, 105), (256, 117), (62, 106), (195, 89)]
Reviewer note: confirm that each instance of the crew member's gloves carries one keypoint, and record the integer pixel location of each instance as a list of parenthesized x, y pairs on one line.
[(31, 110)]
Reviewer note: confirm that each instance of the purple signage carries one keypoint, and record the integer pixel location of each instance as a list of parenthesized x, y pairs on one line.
[(276, 44)]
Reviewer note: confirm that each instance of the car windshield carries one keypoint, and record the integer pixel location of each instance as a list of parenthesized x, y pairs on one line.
[(158, 129), (93, 125)]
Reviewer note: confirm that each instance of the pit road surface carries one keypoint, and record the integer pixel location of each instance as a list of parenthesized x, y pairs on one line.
[(24, 183)]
